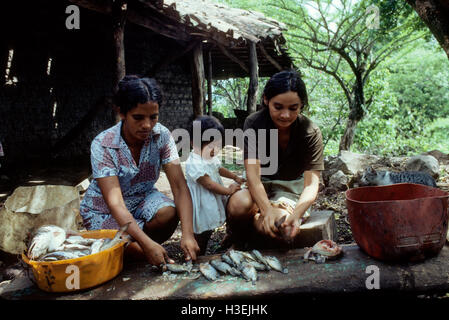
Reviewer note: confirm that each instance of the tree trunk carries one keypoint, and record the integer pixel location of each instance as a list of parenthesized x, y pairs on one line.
[(435, 14), (356, 114), (253, 78), (348, 135)]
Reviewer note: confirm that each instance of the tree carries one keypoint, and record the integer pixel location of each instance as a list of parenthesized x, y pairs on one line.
[(232, 94), (343, 42), (435, 14)]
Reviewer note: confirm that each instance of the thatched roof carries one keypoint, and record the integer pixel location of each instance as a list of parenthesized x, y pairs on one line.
[(223, 30)]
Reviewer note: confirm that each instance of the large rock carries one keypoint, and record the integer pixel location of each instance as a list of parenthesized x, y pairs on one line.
[(353, 163), (424, 163), (443, 158), (339, 181)]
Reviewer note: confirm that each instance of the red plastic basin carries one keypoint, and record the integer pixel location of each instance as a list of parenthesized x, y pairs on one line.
[(405, 221)]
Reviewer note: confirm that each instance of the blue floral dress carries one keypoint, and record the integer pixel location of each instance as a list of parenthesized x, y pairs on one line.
[(110, 156)]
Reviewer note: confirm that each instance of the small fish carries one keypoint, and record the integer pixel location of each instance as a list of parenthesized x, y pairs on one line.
[(249, 272), (116, 239), (227, 259), (80, 240), (46, 238), (275, 264), (179, 268), (221, 266), (247, 255), (236, 257), (258, 266), (72, 247), (62, 255), (260, 257), (208, 271), (95, 247), (236, 273)]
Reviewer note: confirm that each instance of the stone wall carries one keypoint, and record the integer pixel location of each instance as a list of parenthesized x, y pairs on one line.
[(40, 108)]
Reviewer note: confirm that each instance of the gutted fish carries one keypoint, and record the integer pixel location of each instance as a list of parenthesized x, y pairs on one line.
[(208, 271), (327, 248), (323, 250)]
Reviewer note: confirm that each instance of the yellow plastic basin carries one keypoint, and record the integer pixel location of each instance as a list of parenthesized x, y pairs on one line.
[(80, 273)]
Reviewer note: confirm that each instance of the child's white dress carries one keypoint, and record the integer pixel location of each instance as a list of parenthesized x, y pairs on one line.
[(208, 207)]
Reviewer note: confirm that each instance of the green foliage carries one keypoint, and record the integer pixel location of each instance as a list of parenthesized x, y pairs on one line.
[(411, 109), (409, 113), (231, 94)]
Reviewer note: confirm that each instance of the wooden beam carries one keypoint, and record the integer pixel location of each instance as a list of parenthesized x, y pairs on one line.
[(269, 58), (253, 78), (197, 69), (209, 81), (233, 58)]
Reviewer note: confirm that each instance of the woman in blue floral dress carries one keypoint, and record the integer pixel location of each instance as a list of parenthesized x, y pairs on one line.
[(126, 161)]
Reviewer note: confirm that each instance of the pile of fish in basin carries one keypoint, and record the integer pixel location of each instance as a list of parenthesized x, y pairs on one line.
[(52, 243), (247, 264)]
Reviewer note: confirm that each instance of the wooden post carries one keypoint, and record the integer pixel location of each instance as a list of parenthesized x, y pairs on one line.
[(253, 78), (198, 80), (209, 81), (119, 10)]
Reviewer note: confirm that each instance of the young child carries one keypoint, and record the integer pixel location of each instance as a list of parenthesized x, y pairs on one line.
[(203, 175)]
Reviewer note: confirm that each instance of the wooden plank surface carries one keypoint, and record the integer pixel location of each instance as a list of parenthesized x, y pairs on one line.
[(345, 275)]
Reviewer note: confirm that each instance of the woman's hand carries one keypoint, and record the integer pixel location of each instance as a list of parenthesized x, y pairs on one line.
[(290, 227), (155, 253), (269, 221), (190, 247)]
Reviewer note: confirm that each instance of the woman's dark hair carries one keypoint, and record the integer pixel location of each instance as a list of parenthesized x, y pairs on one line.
[(207, 122), (283, 82), (133, 89)]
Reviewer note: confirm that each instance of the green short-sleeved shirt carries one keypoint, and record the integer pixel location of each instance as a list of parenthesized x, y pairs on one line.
[(304, 151)]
